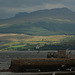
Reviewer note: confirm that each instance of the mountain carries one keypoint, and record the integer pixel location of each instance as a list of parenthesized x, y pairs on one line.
[(42, 22)]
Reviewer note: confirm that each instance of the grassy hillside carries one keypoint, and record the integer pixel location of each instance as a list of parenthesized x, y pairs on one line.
[(49, 29), (24, 42), (39, 28), (58, 21), (67, 43)]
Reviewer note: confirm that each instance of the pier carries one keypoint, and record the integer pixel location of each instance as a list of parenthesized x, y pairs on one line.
[(42, 65)]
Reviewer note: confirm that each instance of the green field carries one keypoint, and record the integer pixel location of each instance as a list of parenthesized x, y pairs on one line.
[(22, 42)]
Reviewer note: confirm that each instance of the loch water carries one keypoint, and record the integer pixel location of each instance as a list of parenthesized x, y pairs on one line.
[(49, 73)]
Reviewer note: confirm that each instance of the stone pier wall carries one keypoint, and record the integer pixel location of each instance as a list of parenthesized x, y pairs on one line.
[(51, 64)]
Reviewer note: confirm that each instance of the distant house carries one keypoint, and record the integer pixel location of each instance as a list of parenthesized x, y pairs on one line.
[(37, 47)]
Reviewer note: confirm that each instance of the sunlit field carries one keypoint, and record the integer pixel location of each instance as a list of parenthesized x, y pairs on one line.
[(23, 41)]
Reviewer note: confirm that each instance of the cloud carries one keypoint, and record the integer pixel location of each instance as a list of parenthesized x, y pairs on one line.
[(9, 8)]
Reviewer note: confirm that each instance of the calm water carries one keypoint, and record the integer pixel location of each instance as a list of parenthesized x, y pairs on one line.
[(49, 73), (6, 56)]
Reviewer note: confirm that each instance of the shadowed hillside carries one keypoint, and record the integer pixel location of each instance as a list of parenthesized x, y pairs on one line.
[(58, 21)]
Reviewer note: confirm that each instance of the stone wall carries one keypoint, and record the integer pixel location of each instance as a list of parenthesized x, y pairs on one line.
[(50, 64)]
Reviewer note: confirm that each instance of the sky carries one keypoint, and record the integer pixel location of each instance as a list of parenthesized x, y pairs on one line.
[(8, 8)]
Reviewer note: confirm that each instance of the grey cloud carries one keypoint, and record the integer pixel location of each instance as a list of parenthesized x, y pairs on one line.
[(28, 3), (9, 8)]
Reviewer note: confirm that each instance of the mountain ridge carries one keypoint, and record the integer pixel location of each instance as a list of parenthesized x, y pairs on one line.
[(55, 13), (43, 22)]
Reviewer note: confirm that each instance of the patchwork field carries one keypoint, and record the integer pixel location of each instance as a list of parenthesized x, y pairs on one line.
[(26, 42)]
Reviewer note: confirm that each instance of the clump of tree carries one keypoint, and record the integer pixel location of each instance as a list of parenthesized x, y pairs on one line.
[(60, 46)]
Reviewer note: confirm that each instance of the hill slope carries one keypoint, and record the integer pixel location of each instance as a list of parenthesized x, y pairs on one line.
[(43, 22)]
